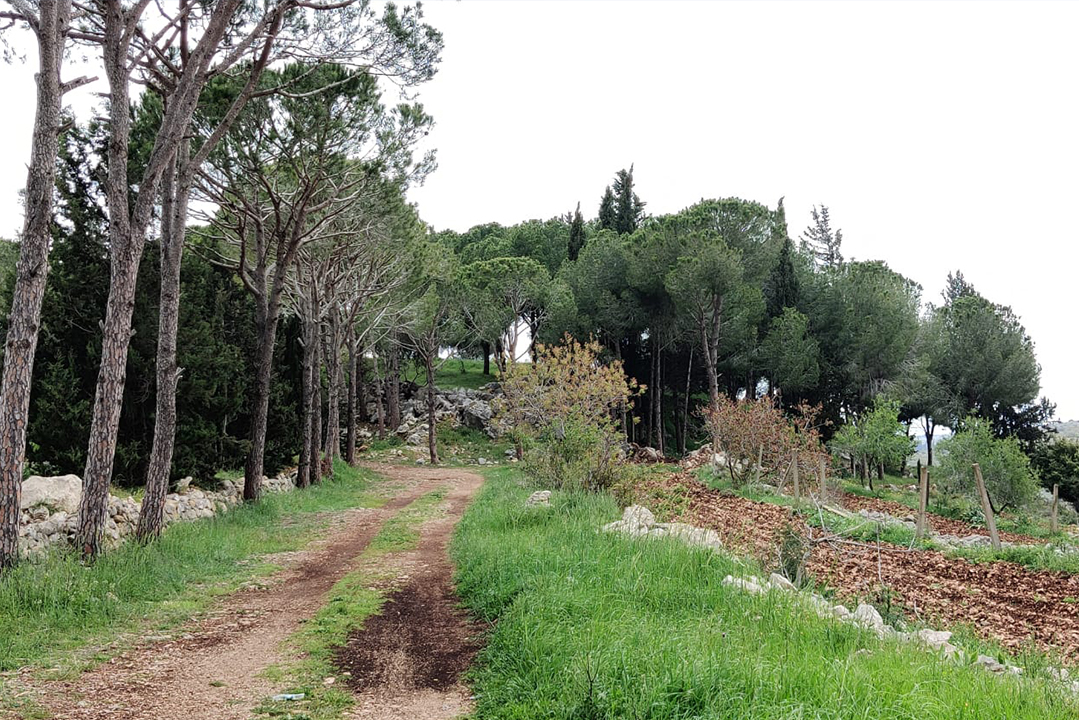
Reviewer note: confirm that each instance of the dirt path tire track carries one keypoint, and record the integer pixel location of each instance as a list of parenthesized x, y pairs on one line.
[(406, 662), (213, 670)]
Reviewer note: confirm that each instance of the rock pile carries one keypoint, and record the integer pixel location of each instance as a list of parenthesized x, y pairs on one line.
[(49, 508), (638, 521), (464, 406)]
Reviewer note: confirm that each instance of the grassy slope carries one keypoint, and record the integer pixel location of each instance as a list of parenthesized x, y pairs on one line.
[(599, 626), (455, 373), (52, 607)]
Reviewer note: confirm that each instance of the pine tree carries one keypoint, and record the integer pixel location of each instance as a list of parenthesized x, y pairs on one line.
[(576, 233), (607, 214), (821, 241), (782, 289), (629, 210)]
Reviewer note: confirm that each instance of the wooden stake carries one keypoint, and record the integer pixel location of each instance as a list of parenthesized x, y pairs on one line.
[(987, 509), (794, 469), (757, 470), (923, 500), (1053, 524)]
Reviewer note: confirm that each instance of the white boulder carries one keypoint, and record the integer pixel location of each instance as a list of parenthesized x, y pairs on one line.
[(62, 492)]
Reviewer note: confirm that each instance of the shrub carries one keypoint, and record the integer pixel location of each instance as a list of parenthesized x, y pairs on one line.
[(1057, 463), (877, 437), (1008, 476), (746, 430), (563, 407)]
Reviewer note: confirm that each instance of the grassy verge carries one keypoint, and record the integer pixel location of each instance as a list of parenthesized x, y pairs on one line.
[(52, 608), (591, 625), (349, 603)]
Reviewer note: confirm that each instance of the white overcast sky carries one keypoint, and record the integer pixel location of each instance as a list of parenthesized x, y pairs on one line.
[(941, 135)]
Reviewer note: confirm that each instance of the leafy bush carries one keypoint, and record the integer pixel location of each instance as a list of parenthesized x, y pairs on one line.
[(1008, 476), (746, 430), (1057, 463), (563, 406), (877, 437)]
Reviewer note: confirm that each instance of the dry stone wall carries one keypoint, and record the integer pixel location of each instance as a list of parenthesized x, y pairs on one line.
[(49, 508)]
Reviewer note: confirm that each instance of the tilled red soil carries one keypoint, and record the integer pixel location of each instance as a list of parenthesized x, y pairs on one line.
[(943, 525), (1000, 600)]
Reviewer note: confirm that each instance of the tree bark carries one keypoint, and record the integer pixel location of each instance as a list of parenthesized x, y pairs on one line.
[(331, 349), (393, 393), (930, 427), (306, 470), (127, 232), (379, 408), (175, 191), (486, 357), (31, 272), (317, 458), (266, 315), (350, 413), (432, 440), (125, 238), (685, 400)]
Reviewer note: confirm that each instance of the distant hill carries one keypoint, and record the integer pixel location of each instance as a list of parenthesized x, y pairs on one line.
[(1067, 429)]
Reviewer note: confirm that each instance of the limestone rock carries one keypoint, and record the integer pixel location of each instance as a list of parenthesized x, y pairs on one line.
[(868, 617), (781, 583), (61, 492), (540, 498)]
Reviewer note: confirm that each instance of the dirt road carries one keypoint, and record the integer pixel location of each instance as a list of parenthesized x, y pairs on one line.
[(215, 667)]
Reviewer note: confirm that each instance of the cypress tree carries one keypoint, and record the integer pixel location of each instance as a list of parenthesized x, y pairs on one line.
[(782, 289), (607, 214), (629, 210), (576, 233)]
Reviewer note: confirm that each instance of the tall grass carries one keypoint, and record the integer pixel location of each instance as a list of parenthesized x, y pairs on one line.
[(591, 625), (51, 607)]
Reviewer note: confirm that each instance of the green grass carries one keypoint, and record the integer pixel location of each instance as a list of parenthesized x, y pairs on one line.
[(590, 625), (455, 373), (401, 532), (49, 609)]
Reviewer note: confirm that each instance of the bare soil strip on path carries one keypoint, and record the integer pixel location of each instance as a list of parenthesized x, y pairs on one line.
[(406, 662), (212, 670), (1000, 600)]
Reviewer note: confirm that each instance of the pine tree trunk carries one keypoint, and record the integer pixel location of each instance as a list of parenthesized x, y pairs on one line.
[(713, 376), (266, 315), (306, 470), (350, 416), (432, 441), (332, 352), (30, 274), (317, 461), (685, 401), (380, 411), (175, 191), (660, 445), (393, 394)]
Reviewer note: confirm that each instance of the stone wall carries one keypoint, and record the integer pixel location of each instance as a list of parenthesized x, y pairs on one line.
[(49, 508)]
